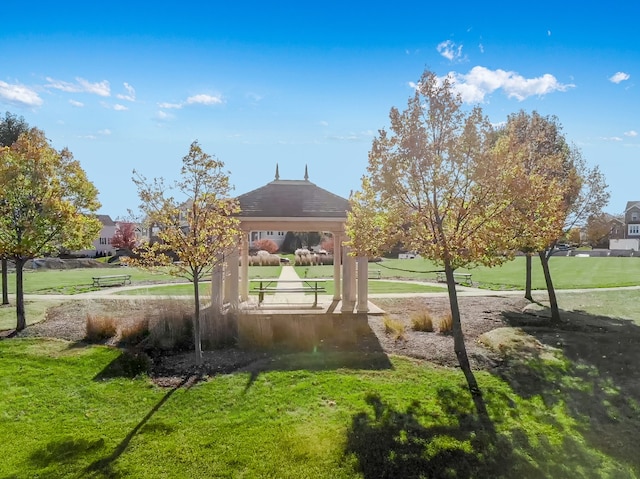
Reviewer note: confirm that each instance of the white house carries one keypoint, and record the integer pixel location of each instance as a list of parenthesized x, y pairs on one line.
[(102, 245)]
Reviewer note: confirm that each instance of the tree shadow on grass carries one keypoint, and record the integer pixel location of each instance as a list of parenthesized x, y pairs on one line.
[(68, 451), (388, 443), (596, 376)]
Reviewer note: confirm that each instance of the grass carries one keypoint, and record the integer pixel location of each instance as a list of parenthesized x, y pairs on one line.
[(616, 304), (566, 272), (65, 414), (79, 280), (35, 311)]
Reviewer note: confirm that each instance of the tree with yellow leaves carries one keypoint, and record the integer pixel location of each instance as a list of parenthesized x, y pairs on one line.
[(552, 193), (46, 202), (190, 235), (435, 184)]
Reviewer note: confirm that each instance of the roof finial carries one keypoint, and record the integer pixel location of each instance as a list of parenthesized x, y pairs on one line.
[(277, 173), (306, 173)]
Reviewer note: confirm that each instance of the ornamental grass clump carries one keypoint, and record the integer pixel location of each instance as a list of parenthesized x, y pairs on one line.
[(394, 328), (134, 332), (445, 324), (99, 328), (171, 328), (422, 321)]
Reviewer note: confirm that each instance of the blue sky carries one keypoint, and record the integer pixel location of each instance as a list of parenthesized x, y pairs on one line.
[(129, 85)]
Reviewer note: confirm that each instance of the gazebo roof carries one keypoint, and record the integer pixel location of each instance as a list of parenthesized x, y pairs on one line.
[(292, 199)]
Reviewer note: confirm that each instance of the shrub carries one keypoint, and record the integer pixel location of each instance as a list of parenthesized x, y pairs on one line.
[(134, 332), (393, 327), (422, 321), (99, 328), (267, 245), (171, 327), (445, 324)]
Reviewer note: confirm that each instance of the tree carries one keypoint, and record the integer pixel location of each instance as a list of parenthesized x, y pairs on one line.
[(600, 227), (327, 243), (433, 183), (552, 193), (11, 126), (536, 144), (46, 202), (196, 231), (265, 244), (125, 236)]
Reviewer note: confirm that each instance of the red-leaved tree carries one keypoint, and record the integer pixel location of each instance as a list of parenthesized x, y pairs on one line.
[(266, 245), (125, 236)]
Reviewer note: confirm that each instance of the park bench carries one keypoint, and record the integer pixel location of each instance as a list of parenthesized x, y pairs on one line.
[(270, 286), (374, 274), (112, 280), (459, 278)]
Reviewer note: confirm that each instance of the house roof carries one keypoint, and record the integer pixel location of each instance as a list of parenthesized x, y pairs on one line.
[(106, 220), (292, 199), (631, 204)]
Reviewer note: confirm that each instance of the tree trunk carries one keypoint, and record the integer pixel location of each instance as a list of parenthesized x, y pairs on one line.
[(196, 323), (461, 350), (21, 322), (527, 281), (5, 282), (553, 302)]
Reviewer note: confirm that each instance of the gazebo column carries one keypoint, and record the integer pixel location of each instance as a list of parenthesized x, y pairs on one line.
[(337, 260), (233, 261), (217, 284), (349, 281), (244, 265), (363, 284)]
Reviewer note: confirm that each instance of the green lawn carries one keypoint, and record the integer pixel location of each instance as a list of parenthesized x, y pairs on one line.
[(73, 281), (68, 411), (566, 272), (35, 312)]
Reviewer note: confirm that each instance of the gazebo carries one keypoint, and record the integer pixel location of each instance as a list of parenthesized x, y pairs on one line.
[(292, 205)]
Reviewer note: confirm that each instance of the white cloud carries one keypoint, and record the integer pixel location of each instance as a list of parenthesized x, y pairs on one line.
[(611, 138), (105, 132), (631, 133), (81, 86), (163, 115), (76, 103), (118, 107), (254, 97), (169, 106), (481, 47), (204, 99), (131, 93), (450, 50), (19, 94), (480, 81), (619, 77), (324, 123)]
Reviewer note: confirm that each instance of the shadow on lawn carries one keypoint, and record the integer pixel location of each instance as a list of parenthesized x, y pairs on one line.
[(599, 383), (397, 444), (72, 450)]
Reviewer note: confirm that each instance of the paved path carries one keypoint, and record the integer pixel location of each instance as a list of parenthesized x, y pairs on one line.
[(289, 273)]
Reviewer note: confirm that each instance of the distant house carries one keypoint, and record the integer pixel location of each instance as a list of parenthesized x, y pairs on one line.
[(102, 246), (625, 233), (632, 219)]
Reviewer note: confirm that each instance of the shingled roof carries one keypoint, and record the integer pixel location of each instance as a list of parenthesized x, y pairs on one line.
[(292, 199)]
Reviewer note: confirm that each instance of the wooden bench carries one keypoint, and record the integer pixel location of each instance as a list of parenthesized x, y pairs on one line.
[(374, 274), (459, 278), (270, 286), (112, 280)]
